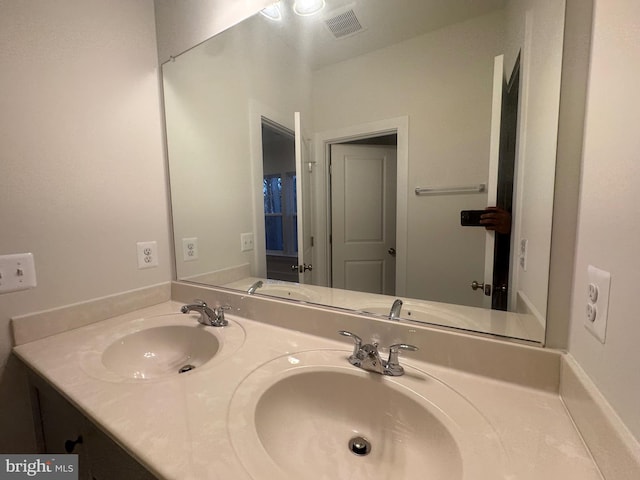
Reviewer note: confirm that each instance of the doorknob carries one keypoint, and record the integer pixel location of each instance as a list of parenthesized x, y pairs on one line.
[(392, 252), (486, 287)]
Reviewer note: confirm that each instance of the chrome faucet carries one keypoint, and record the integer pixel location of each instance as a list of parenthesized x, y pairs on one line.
[(368, 358), (394, 313), (252, 289), (208, 316)]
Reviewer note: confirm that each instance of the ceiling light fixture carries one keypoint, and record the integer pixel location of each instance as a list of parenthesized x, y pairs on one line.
[(308, 7), (272, 12)]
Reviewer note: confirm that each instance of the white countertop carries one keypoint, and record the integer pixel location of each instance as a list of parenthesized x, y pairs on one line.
[(177, 426)]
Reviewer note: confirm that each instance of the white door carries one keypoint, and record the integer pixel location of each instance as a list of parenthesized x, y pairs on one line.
[(494, 159), (304, 196), (363, 217)]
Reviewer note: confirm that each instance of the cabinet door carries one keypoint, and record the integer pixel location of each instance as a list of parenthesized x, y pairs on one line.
[(63, 428), (108, 461)]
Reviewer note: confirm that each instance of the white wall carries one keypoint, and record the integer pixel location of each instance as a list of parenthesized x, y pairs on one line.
[(573, 94), (81, 163), (184, 23), (211, 96), (609, 211), (443, 82), (536, 28)]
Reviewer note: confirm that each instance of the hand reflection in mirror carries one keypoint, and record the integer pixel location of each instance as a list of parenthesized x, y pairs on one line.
[(496, 219)]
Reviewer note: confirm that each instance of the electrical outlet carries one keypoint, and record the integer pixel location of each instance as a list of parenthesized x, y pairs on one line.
[(190, 249), (147, 254), (597, 302), (246, 242), (17, 272), (522, 256)]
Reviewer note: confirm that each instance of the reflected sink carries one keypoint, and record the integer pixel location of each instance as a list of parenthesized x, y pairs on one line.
[(160, 351), (307, 416), (423, 313), (285, 291)]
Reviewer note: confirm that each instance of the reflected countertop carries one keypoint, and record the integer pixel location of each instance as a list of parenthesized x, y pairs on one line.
[(506, 324)]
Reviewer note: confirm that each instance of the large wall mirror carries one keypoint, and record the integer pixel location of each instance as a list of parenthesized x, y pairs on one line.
[(327, 158)]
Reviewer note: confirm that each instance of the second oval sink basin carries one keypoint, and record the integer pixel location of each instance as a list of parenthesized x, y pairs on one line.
[(317, 414), (160, 351), (307, 416)]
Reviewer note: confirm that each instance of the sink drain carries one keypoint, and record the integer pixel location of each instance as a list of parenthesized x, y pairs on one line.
[(186, 368), (360, 446)]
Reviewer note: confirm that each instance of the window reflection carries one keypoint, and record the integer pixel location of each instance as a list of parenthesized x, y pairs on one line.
[(280, 213)]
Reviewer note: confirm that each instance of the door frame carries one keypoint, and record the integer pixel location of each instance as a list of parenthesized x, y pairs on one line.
[(258, 111), (322, 147), (382, 160)]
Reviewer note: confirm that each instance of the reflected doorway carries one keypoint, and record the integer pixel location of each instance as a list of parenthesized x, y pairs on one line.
[(279, 185), (363, 192)]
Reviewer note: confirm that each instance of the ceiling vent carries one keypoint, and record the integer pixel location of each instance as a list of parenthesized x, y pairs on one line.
[(344, 24)]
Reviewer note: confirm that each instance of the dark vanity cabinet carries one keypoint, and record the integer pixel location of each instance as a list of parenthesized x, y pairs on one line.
[(61, 428)]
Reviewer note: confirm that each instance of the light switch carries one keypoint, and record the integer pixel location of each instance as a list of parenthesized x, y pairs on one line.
[(17, 272)]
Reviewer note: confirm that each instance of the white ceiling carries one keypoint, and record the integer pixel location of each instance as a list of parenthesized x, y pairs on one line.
[(385, 22)]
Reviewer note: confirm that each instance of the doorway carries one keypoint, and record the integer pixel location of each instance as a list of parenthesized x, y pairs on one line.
[(504, 195), (279, 184), (363, 193)]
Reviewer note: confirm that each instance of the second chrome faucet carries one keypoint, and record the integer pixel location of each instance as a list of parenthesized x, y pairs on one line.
[(368, 358)]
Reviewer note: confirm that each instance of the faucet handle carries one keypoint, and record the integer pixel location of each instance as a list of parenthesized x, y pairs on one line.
[(393, 365), (218, 313), (356, 339)]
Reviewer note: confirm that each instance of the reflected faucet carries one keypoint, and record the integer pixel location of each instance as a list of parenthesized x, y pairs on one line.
[(394, 313), (209, 317), (252, 289)]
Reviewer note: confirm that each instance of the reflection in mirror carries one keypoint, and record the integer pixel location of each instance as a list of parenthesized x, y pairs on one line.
[(419, 111), (280, 205)]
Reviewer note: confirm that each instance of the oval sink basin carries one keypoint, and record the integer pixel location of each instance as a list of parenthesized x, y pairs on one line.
[(160, 351), (158, 347), (305, 416)]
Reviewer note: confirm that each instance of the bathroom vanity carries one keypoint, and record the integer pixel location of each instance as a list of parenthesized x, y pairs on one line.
[(272, 395)]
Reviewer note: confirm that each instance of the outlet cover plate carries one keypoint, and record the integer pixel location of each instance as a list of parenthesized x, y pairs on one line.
[(597, 310), (190, 249), (246, 242), (147, 254)]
